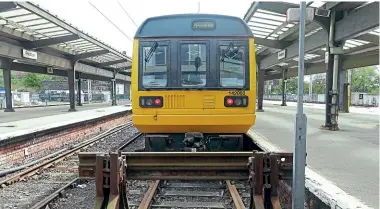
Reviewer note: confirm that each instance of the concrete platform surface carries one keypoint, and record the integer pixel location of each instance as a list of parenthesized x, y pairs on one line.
[(22, 127), (349, 157), (35, 112)]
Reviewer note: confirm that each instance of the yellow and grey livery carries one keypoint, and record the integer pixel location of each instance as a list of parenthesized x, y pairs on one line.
[(193, 73)]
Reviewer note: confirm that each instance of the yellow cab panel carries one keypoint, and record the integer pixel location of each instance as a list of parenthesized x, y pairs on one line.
[(184, 109)]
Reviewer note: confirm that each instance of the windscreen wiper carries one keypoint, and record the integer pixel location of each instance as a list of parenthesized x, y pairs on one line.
[(151, 51), (231, 45)]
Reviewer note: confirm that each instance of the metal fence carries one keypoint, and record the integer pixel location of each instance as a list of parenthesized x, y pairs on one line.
[(28, 99), (357, 98)]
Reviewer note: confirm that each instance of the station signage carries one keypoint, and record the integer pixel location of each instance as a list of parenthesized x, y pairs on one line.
[(281, 54), (29, 54), (203, 25), (50, 70)]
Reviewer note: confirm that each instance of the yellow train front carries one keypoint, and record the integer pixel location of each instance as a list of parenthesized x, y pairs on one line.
[(193, 82)]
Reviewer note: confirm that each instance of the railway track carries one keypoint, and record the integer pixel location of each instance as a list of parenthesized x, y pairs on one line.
[(157, 179), (186, 179), (58, 173), (192, 194)]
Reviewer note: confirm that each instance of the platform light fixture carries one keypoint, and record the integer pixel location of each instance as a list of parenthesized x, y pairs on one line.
[(293, 14)]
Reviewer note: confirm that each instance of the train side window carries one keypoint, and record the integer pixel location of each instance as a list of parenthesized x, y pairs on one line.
[(193, 65), (155, 70), (232, 66)]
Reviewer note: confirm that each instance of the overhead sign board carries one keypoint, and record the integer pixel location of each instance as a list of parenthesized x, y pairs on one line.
[(281, 54), (29, 54), (50, 70), (293, 15), (203, 25)]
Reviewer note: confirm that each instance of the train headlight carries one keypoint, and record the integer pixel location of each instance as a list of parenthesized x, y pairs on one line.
[(151, 101), (236, 101)]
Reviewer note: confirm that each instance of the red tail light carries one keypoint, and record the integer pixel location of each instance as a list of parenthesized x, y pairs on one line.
[(236, 101), (151, 101), (157, 101), (230, 101)]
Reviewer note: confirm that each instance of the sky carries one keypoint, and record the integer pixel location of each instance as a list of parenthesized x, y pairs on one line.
[(86, 17)]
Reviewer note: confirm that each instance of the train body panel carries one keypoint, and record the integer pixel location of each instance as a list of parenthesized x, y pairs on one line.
[(190, 80), (228, 123)]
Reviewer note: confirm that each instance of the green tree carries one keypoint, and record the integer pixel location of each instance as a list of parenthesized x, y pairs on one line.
[(365, 79), (305, 87), (277, 89), (292, 85), (33, 81), (319, 83)]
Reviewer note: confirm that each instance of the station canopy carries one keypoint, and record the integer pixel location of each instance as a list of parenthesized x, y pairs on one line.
[(36, 28), (267, 21)]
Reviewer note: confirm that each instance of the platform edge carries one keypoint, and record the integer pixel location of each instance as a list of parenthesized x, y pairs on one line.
[(103, 113), (322, 188)]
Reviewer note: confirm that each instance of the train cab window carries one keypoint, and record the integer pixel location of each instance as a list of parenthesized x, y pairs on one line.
[(155, 66), (232, 66), (193, 65)]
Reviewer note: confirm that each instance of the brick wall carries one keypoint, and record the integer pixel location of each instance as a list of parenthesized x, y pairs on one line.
[(38, 146), (311, 201)]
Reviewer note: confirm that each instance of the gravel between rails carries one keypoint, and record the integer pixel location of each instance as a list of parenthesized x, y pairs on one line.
[(243, 189), (25, 194), (112, 142), (75, 198), (82, 197), (190, 192)]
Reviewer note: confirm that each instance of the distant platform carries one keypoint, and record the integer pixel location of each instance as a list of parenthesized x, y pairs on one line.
[(35, 112), (57, 119), (349, 157)]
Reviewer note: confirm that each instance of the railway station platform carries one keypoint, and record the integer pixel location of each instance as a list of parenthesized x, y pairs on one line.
[(349, 158), (353, 109), (42, 111), (31, 120)]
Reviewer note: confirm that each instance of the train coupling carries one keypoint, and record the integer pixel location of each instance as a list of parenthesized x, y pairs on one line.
[(194, 141)]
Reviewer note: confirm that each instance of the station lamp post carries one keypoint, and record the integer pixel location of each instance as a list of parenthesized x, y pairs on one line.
[(299, 161), (301, 15)]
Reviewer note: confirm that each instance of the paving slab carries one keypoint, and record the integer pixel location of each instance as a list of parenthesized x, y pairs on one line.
[(349, 157)]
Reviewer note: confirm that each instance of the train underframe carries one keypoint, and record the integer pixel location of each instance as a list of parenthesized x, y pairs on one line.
[(197, 142)]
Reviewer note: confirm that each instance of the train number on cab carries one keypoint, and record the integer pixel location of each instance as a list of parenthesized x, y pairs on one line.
[(237, 93)]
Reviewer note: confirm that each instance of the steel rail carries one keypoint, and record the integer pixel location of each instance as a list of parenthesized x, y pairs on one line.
[(235, 196), (130, 141), (57, 193), (146, 202), (181, 165), (51, 197)]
